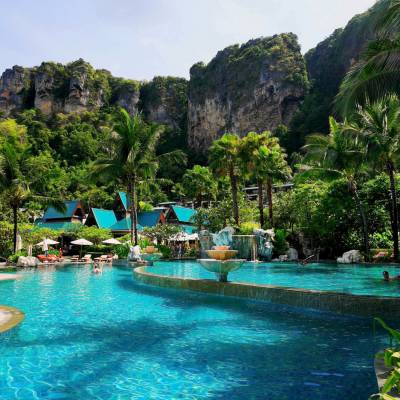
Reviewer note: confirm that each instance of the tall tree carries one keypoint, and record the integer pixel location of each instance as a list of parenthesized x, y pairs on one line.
[(133, 160), (13, 185), (225, 161), (199, 184), (265, 162), (378, 126), (338, 155)]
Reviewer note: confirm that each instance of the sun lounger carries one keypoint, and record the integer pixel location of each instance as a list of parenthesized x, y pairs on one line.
[(86, 258)]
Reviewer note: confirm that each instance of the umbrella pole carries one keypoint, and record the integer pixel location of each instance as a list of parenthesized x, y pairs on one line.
[(81, 252)]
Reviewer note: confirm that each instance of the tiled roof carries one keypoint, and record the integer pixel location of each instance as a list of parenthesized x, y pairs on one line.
[(104, 218), (188, 228), (124, 199), (184, 214), (70, 207)]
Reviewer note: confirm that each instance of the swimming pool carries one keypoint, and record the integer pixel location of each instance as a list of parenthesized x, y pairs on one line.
[(109, 337), (350, 278)]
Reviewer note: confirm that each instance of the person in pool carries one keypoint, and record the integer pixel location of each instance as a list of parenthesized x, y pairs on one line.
[(387, 278), (97, 269)]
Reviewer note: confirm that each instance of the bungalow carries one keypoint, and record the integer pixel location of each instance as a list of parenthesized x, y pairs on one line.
[(145, 219), (57, 220), (182, 216), (101, 218)]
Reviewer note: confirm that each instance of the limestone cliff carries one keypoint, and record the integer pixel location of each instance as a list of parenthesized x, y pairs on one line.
[(74, 87), (256, 86)]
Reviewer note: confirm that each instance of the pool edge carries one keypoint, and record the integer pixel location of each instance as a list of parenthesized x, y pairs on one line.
[(17, 316), (343, 303)]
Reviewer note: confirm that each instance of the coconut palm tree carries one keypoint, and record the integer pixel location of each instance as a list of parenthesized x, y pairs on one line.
[(265, 162), (225, 161), (337, 156), (378, 126), (378, 71), (134, 160)]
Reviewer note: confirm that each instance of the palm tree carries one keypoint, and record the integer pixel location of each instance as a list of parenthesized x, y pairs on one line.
[(265, 161), (378, 71), (378, 125), (13, 185), (225, 161), (134, 160), (334, 156), (199, 184)]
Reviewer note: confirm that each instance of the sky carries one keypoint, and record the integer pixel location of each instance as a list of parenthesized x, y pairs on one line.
[(140, 39)]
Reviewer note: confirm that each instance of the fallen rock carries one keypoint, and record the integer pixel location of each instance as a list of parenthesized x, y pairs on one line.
[(292, 254), (350, 257), (27, 261)]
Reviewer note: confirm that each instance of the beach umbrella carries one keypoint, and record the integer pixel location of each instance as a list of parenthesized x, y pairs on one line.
[(111, 241), (82, 242)]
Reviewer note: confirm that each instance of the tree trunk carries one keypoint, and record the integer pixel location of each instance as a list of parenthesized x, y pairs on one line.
[(261, 202), (395, 213), (363, 219), (134, 210), (131, 212), (270, 209), (15, 221), (233, 179)]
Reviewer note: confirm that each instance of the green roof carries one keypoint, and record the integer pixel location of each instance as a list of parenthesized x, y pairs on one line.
[(70, 207), (184, 214), (124, 225), (56, 226), (104, 218)]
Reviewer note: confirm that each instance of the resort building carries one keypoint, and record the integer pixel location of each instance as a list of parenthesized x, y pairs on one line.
[(58, 220), (181, 216)]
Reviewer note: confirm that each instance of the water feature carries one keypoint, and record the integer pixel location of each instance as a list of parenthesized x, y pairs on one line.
[(107, 337)]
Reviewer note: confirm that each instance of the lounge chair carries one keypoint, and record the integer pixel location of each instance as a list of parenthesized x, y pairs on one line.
[(74, 259), (87, 258)]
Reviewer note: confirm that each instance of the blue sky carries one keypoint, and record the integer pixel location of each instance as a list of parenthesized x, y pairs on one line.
[(142, 38)]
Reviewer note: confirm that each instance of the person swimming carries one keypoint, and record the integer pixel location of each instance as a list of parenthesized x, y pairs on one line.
[(97, 269), (387, 278)]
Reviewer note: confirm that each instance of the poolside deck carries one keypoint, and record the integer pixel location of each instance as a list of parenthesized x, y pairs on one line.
[(9, 318)]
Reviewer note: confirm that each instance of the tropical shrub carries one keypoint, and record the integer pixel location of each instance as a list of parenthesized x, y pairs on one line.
[(247, 228), (280, 243)]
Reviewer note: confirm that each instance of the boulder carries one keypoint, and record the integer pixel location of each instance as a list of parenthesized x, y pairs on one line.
[(350, 257), (292, 254), (27, 261)]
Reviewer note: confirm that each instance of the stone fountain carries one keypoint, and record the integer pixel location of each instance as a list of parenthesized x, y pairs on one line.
[(221, 260)]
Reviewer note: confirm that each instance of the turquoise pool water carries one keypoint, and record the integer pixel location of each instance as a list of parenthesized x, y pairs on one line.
[(356, 279), (107, 337)]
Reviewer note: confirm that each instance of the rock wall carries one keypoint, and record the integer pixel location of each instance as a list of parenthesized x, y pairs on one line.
[(256, 86)]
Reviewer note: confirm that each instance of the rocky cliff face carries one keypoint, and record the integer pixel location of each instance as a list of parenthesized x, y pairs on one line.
[(253, 87), (74, 87), (327, 65), (14, 89)]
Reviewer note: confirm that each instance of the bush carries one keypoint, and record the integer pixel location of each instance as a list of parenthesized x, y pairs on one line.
[(122, 251), (280, 244), (14, 257), (165, 251), (247, 228)]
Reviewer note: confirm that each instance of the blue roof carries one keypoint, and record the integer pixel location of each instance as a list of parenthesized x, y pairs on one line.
[(104, 218), (70, 207), (124, 225), (188, 228), (56, 226), (184, 214), (124, 199), (149, 218)]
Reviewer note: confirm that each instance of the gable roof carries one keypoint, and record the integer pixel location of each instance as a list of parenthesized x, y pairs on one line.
[(70, 208), (124, 225), (149, 218), (104, 218), (184, 214), (124, 199)]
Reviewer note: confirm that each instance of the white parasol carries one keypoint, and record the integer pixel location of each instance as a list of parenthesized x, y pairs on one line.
[(111, 241), (82, 242)]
